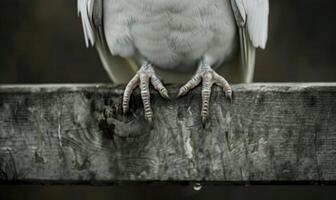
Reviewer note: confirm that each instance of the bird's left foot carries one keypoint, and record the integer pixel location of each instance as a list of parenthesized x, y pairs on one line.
[(208, 77), (142, 79)]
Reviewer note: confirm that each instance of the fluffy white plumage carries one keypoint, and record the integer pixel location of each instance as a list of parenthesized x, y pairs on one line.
[(122, 17), (174, 34)]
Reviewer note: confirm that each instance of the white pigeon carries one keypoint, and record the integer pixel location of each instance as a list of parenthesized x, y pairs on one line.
[(137, 38)]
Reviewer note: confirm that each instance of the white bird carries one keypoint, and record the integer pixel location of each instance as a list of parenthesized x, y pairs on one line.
[(136, 39)]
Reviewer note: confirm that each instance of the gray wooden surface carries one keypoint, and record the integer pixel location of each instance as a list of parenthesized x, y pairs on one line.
[(77, 134)]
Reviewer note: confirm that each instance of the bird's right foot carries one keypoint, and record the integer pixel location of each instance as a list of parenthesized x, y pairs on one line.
[(208, 77), (145, 75)]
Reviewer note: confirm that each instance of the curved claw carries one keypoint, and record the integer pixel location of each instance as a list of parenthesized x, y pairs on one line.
[(220, 81), (192, 83), (228, 94), (157, 84)]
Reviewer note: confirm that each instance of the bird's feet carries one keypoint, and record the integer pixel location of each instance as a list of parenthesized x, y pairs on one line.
[(208, 77), (145, 75)]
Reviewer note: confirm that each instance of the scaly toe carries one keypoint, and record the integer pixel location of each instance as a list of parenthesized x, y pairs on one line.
[(134, 82)]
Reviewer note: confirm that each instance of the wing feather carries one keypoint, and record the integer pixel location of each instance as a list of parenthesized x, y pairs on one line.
[(85, 12), (252, 20), (91, 12), (257, 21)]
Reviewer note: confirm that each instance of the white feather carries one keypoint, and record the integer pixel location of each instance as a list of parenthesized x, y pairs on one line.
[(85, 9), (119, 70), (255, 15), (252, 20)]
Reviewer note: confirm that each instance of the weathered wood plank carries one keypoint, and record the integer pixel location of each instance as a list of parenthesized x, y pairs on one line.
[(77, 133)]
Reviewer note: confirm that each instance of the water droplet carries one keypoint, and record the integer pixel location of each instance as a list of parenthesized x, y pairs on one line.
[(197, 187)]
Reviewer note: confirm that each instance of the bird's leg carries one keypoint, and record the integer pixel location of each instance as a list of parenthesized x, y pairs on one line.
[(208, 77), (145, 75)]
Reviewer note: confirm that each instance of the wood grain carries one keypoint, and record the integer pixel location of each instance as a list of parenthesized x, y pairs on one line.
[(68, 134)]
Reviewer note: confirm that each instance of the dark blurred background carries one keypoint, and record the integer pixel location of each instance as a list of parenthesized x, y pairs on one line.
[(42, 42)]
